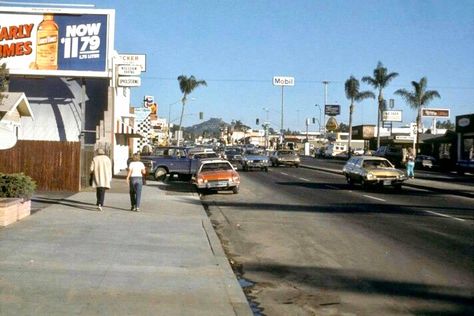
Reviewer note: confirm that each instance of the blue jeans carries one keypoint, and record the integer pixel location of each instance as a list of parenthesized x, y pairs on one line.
[(136, 184), (410, 169)]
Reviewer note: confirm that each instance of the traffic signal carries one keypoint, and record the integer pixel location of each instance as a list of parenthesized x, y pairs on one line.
[(201, 115), (314, 120), (257, 121)]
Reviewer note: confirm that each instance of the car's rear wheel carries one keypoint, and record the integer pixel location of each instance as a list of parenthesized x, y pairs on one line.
[(160, 174), (265, 169), (297, 165)]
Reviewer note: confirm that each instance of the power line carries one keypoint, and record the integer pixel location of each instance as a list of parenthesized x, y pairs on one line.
[(300, 81)]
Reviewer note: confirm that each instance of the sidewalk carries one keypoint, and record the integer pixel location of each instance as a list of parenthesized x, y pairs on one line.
[(444, 187), (70, 259)]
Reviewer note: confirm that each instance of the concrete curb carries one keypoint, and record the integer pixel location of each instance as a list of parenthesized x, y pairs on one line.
[(234, 291)]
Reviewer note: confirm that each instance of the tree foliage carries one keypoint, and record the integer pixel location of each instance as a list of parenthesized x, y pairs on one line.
[(418, 98), (4, 76), (380, 80), (352, 86), (187, 85)]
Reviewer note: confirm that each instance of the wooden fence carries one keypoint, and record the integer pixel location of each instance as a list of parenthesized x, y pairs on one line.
[(55, 166)]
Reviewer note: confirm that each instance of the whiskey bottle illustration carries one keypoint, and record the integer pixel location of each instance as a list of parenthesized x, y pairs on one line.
[(47, 44)]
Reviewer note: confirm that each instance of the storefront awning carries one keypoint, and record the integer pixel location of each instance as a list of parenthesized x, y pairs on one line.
[(126, 130)]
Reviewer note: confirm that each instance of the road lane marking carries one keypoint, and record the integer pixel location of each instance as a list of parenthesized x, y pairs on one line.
[(375, 198), (303, 179), (284, 173), (444, 215), (332, 187)]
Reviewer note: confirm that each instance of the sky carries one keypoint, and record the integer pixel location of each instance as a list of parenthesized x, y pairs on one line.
[(237, 47)]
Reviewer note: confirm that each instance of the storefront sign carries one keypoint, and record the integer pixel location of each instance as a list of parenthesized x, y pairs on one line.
[(465, 123), (392, 116), (129, 81), (132, 59), (129, 70), (434, 112), (64, 43)]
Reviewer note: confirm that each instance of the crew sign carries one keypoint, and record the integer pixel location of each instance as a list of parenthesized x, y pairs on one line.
[(54, 44)]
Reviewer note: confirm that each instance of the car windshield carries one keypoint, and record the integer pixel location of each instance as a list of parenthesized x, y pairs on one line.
[(370, 164), (216, 166), (286, 152), (205, 155), (252, 152)]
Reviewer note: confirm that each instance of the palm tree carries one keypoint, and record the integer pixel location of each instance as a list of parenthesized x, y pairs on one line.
[(353, 94), (187, 85), (379, 81), (417, 99)]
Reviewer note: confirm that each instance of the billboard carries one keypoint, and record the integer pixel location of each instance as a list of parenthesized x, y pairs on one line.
[(332, 109), (56, 42)]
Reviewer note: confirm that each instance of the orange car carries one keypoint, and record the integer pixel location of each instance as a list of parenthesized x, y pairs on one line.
[(216, 175)]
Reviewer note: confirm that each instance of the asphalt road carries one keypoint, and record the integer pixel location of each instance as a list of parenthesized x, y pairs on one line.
[(313, 246)]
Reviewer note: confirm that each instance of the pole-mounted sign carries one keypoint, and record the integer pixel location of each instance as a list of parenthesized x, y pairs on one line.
[(425, 112), (283, 81)]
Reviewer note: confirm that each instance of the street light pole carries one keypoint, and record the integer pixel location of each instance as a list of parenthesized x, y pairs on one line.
[(325, 102), (319, 122)]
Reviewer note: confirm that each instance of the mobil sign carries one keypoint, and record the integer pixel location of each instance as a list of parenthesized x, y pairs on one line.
[(283, 81)]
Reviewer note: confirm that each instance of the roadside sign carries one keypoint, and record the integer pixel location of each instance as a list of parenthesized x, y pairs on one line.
[(129, 70), (403, 137), (132, 59), (129, 81), (425, 112), (332, 109), (331, 124), (283, 81), (392, 116)]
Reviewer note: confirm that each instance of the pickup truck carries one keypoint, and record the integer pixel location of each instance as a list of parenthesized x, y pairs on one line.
[(174, 161)]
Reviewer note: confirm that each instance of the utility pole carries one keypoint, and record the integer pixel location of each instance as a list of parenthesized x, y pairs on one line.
[(325, 83)]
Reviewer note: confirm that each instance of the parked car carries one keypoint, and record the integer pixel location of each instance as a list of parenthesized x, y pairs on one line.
[(285, 157), (216, 175), (254, 159), (370, 170), (392, 153), (425, 162)]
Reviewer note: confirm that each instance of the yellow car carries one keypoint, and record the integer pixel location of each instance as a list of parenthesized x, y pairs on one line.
[(371, 170)]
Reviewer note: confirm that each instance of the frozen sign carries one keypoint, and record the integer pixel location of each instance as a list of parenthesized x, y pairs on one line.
[(61, 44)]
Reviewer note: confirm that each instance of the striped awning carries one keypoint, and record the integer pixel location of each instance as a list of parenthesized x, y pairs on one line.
[(128, 131)]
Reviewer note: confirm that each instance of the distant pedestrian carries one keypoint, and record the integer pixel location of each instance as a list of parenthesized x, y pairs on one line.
[(410, 160), (135, 179), (101, 172)]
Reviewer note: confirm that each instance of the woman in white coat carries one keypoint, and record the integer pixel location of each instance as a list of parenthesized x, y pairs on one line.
[(101, 171)]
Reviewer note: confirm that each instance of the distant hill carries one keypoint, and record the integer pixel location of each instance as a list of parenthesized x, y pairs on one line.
[(211, 127)]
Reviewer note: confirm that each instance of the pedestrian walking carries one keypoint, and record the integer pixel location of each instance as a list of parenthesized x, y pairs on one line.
[(135, 179), (101, 173), (410, 160)]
